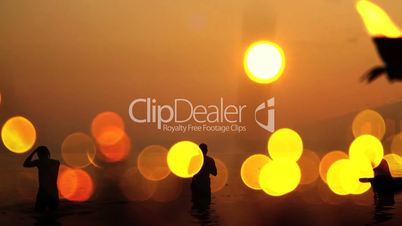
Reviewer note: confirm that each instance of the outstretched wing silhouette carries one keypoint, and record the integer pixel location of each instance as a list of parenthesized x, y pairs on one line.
[(390, 51)]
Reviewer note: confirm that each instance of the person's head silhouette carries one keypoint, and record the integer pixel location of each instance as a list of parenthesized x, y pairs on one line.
[(204, 148), (43, 153)]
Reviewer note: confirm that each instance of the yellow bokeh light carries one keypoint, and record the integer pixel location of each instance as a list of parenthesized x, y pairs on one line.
[(366, 147), (343, 176), (185, 159), (363, 169), (328, 160), (285, 144), (250, 170), (395, 164), (264, 62), (78, 150), (279, 177), (376, 20), (151, 163), (18, 134), (338, 176), (369, 122)]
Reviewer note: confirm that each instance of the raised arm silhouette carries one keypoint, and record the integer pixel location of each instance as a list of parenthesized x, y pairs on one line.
[(201, 184), (48, 169)]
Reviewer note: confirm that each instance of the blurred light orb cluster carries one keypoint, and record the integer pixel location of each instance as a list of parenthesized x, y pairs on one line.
[(368, 122), (108, 129), (251, 168), (116, 152), (365, 153), (376, 20), (18, 134), (343, 176), (185, 159), (328, 160), (78, 150), (75, 184), (264, 62), (279, 177), (280, 174), (152, 163)]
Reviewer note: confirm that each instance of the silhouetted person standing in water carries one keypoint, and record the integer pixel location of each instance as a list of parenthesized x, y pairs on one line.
[(201, 184), (383, 181), (48, 169), (384, 192)]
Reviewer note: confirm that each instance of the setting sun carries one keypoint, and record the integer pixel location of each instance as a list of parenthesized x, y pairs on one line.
[(264, 62)]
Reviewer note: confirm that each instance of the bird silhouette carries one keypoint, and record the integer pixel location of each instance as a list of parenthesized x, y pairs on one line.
[(390, 51), (387, 37)]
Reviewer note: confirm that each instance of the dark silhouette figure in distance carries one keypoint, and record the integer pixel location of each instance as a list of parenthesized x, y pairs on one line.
[(48, 169), (201, 184)]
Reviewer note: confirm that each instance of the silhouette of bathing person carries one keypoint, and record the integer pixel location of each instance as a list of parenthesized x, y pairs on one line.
[(382, 169), (384, 192), (383, 181), (201, 184), (48, 169)]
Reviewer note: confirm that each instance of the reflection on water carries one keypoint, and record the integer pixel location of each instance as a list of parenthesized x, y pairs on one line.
[(243, 209), (204, 215), (47, 219), (384, 206), (383, 214)]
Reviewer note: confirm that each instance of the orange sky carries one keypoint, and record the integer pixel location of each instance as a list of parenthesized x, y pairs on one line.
[(63, 62)]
